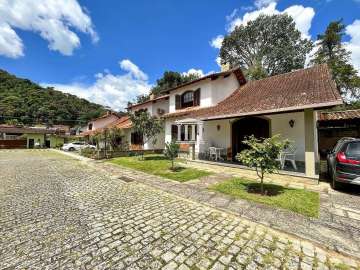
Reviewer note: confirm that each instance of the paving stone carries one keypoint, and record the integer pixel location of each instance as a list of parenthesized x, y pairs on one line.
[(59, 213), (168, 256)]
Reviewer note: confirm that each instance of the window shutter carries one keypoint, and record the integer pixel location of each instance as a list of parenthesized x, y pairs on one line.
[(174, 132), (197, 97), (177, 102)]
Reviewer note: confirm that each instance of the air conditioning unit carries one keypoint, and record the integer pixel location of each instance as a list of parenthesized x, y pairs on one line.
[(160, 111)]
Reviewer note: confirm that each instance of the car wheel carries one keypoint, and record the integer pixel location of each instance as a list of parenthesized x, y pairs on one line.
[(71, 149)]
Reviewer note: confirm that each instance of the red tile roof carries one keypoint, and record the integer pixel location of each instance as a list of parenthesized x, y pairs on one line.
[(29, 130), (339, 115), (107, 114), (123, 123), (306, 88)]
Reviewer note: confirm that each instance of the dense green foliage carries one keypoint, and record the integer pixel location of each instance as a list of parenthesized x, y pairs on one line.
[(171, 152), (30, 103), (301, 201), (332, 51), (262, 155), (172, 79), (159, 165), (266, 46)]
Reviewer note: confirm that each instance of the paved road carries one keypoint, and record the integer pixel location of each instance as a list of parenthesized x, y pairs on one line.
[(58, 213)]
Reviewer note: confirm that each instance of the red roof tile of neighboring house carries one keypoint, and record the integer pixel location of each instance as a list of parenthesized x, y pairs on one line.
[(339, 115), (307, 88), (22, 130), (107, 114), (123, 123)]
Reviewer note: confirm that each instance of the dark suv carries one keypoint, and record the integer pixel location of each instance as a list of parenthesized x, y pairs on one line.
[(344, 162)]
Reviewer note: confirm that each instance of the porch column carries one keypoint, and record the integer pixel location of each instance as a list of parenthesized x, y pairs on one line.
[(193, 136), (309, 143), (186, 133), (199, 146), (179, 133)]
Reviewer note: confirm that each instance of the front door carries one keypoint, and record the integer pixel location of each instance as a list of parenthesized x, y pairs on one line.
[(31, 143), (47, 143), (245, 127)]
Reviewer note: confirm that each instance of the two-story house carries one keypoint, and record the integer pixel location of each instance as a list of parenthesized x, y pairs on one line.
[(155, 106), (220, 110), (100, 123)]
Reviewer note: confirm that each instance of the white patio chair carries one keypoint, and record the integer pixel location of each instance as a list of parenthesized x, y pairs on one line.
[(212, 153), (289, 154)]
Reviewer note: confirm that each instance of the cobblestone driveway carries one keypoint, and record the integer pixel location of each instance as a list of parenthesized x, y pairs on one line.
[(57, 213)]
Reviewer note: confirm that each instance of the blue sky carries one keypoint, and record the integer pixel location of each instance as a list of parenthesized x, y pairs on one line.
[(110, 51)]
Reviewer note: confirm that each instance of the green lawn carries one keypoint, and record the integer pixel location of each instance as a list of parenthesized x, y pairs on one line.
[(297, 200), (159, 165)]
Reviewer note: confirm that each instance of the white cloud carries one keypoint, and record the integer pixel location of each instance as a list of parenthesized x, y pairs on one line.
[(263, 3), (10, 43), (133, 69), (353, 30), (217, 41), (302, 16), (198, 72), (111, 90), (53, 20)]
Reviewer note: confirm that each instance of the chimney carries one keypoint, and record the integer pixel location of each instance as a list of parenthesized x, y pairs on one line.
[(225, 67)]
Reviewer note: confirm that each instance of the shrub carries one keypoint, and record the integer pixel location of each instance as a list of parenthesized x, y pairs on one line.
[(171, 152), (262, 154)]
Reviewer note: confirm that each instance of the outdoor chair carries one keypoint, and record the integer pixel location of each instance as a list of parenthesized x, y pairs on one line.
[(212, 153), (288, 154)]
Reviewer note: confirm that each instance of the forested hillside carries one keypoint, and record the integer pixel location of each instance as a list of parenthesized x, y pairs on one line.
[(30, 103)]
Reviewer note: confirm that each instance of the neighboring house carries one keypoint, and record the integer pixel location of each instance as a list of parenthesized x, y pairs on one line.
[(101, 122), (30, 137), (155, 106), (334, 125), (221, 109)]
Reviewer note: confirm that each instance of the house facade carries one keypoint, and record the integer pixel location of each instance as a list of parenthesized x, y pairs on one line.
[(220, 110), (101, 122), (30, 137), (155, 106)]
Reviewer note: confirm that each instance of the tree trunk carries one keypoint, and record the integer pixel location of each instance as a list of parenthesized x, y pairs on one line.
[(172, 164), (262, 186)]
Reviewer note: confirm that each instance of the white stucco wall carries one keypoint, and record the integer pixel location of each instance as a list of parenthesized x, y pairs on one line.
[(102, 122), (223, 87), (218, 138), (211, 93), (162, 104), (280, 125)]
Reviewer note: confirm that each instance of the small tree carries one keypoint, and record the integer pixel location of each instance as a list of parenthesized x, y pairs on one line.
[(171, 152), (262, 155), (148, 126)]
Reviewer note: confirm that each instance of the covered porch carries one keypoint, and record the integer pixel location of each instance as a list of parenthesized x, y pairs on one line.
[(219, 140)]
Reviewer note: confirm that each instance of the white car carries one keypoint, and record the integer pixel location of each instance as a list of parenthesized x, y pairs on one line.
[(76, 146)]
